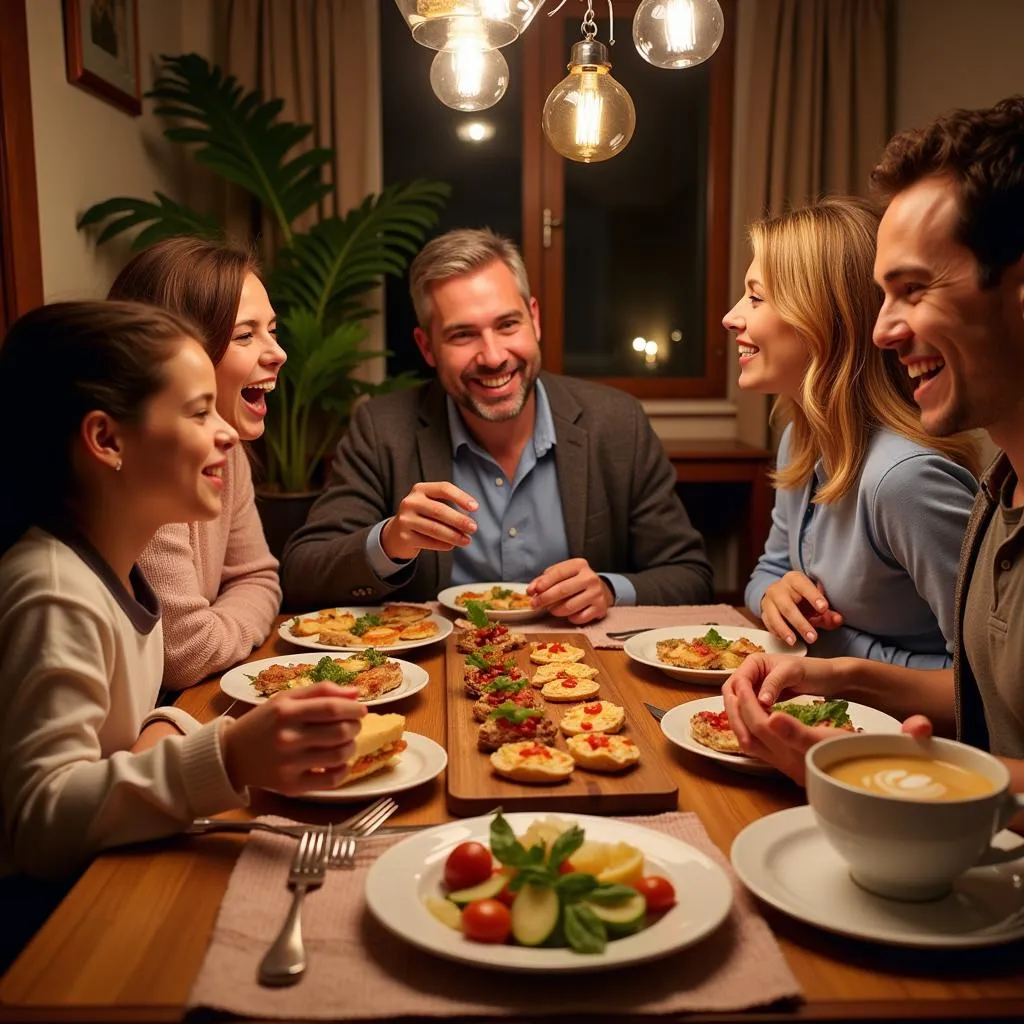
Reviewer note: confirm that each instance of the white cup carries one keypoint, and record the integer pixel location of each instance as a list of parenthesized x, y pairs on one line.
[(900, 847)]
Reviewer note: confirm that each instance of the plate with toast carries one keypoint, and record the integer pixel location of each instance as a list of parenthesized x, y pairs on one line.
[(502, 602), (388, 627)]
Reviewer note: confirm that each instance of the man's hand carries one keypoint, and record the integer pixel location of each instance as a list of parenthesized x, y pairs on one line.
[(426, 520), (571, 590), (751, 691), (796, 602)]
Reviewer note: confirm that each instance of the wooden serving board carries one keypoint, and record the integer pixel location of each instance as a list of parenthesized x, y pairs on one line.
[(473, 787)]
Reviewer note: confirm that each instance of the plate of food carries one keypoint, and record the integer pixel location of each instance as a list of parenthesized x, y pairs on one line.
[(702, 726), (704, 654), (378, 678), (389, 627), (633, 894), (503, 602)]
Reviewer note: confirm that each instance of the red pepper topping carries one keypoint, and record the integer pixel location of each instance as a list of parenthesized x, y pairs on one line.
[(593, 709), (598, 741), (586, 725), (569, 684), (535, 750)]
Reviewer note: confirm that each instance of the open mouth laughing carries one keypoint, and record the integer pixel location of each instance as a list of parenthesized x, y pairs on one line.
[(255, 395)]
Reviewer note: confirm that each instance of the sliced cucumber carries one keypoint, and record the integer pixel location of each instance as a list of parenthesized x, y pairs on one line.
[(535, 914), (486, 890), (624, 917)]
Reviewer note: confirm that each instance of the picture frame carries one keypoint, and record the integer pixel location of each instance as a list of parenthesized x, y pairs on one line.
[(101, 40)]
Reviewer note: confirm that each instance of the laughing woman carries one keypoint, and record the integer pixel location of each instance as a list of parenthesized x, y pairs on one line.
[(217, 580), (131, 440), (869, 511)]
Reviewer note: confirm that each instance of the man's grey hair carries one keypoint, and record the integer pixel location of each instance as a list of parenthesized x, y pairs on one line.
[(458, 252)]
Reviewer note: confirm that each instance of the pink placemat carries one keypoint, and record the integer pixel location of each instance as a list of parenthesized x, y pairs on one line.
[(358, 970), (647, 616)]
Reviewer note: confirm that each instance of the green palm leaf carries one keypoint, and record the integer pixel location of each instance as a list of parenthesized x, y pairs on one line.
[(240, 137), (329, 268), (166, 218)]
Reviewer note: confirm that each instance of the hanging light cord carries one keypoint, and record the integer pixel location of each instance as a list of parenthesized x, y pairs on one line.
[(589, 26)]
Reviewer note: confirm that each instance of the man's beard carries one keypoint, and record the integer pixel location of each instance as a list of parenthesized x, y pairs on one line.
[(507, 408)]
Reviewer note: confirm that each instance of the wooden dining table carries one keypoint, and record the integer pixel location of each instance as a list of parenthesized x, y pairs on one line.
[(128, 940)]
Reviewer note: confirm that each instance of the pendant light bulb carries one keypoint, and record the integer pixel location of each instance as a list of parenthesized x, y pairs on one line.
[(468, 78), (677, 33), (588, 116)]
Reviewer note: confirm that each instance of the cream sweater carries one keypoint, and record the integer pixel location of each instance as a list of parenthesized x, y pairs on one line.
[(80, 666), (217, 583)]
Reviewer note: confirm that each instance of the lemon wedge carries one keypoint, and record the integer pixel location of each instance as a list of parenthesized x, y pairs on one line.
[(591, 858), (624, 866)]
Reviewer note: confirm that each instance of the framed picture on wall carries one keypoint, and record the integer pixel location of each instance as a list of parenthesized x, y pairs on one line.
[(101, 39)]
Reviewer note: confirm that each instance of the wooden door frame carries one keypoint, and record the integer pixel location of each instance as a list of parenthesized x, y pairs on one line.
[(21, 280), (545, 189)]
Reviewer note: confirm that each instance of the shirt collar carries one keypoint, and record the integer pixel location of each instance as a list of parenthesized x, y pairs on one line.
[(995, 477), (544, 438)]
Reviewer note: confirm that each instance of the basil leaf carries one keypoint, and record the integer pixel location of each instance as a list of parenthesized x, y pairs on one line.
[(565, 846), (584, 930), (535, 854), (715, 640), (476, 614), (609, 892), (477, 660), (535, 874), (504, 845), (514, 714), (575, 885)]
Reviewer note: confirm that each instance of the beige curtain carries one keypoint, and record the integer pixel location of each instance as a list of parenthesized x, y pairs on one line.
[(819, 100), (322, 57)]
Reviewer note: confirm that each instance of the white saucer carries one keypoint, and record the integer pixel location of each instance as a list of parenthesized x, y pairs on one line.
[(675, 724), (785, 860), (421, 761)]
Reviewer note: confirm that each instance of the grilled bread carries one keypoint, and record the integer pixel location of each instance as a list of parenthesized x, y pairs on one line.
[(532, 762), (600, 716), (562, 670), (552, 652), (600, 752)]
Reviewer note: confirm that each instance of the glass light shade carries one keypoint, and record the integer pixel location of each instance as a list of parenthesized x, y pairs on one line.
[(677, 33), (501, 21), (588, 116), (468, 78)]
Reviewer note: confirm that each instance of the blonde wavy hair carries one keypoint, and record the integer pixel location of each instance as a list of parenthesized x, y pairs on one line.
[(817, 264)]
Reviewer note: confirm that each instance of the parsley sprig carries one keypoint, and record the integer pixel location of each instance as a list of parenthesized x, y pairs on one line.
[(363, 623), (583, 929), (477, 615), (715, 640)]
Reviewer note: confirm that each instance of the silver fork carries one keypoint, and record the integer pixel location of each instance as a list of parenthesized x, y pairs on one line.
[(285, 961), (343, 847)]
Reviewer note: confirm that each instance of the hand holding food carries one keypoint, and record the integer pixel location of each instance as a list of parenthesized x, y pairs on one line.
[(426, 520), (572, 590), (797, 603), (302, 740)]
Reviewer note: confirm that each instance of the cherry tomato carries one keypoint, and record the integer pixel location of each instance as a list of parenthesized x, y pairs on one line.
[(486, 921), (658, 892), (566, 868), (468, 864)]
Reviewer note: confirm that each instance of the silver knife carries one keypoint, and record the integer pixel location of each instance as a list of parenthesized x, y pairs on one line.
[(204, 826)]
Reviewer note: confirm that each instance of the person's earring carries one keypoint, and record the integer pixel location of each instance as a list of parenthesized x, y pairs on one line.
[(117, 466)]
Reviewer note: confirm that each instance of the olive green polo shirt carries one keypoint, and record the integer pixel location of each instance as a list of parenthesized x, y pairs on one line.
[(993, 618)]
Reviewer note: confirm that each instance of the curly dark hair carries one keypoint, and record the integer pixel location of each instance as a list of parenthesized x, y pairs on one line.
[(982, 152)]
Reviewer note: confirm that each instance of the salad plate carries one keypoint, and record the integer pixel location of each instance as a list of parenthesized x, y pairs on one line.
[(409, 873)]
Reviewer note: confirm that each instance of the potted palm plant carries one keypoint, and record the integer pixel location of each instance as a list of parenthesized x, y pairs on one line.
[(318, 279)]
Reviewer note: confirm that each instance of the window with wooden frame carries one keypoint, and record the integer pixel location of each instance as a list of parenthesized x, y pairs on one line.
[(633, 248)]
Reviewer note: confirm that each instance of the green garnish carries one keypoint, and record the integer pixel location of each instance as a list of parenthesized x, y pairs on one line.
[(502, 684), (514, 714), (715, 640), (328, 669), (500, 593), (476, 614), (363, 623), (477, 660), (373, 657), (583, 929), (834, 711)]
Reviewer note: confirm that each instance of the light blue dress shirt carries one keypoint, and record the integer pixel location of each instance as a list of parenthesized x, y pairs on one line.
[(520, 526), (886, 554)]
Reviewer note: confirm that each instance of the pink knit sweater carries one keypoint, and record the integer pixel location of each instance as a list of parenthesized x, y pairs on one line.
[(217, 583)]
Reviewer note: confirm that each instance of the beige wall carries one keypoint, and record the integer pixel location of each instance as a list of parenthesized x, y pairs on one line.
[(953, 53), (88, 150)]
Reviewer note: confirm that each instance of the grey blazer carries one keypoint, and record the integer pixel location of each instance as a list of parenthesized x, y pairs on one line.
[(621, 510)]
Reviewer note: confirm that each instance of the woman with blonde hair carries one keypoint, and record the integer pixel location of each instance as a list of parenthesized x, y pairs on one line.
[(869, 511), (216, 579)]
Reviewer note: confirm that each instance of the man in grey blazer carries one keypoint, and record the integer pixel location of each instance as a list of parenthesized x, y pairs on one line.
[(495, 471)]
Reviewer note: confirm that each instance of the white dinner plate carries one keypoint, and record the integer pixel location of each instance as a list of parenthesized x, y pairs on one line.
[(412, 870), (644, 648), (447, 600), (421, 761), (785, 860), (444, 627), (237, 684), (676, 726)]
